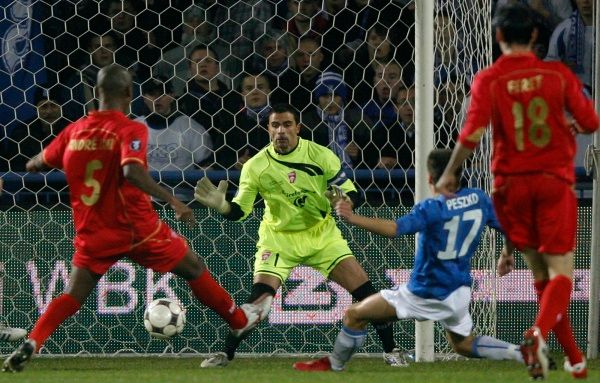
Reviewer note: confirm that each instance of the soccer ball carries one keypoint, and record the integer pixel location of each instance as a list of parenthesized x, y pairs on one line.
[(164, 318)]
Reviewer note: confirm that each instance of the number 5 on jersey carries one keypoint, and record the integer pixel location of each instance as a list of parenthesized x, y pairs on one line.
[(91, 182)]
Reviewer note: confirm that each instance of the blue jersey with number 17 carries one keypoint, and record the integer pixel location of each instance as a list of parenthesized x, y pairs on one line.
[(449, 232)]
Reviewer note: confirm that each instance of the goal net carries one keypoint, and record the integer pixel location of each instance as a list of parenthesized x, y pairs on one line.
[(244, 51)]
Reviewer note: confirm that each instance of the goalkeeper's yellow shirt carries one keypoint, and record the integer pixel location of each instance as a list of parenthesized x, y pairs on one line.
[(292, 185)]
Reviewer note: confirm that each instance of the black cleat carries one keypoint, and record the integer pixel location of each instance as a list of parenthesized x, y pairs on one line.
[(17, 360)]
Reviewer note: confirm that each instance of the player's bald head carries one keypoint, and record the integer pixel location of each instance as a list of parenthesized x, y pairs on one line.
[(114, 81)]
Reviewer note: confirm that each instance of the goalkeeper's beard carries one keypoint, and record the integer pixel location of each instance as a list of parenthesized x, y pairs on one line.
[(282, 145)]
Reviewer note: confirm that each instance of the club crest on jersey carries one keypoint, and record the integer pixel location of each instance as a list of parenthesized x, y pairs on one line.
[(136, 145), (292, 177), (265, 255)]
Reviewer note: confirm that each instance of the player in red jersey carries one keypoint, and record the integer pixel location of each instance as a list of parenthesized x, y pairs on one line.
[(104, 158), (526, 100)]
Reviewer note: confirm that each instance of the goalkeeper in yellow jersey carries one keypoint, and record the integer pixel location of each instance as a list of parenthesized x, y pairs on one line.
[(299, 181)]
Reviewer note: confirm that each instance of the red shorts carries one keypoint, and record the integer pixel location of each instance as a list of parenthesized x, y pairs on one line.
[(537, 211), (161, 252)]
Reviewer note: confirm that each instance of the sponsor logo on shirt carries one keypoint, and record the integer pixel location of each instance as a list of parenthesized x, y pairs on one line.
[(136, 145), (292, 177)]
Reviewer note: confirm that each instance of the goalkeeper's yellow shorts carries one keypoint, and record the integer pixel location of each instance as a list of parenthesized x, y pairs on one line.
[(321, 247)]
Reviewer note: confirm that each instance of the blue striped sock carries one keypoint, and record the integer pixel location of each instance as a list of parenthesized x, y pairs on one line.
[(491, 348), (346, 344)]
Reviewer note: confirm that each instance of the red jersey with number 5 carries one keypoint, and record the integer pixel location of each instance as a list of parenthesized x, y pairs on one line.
[(110, 214), (526, 100)]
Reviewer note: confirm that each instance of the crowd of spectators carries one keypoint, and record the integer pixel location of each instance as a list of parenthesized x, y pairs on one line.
[(206, 73)]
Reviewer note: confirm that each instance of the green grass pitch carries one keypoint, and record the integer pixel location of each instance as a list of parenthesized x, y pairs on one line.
[(272, 370)]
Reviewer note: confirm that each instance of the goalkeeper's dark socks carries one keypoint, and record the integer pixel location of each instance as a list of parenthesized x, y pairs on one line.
[(385, 331), (554, 303), (58, 310), (232, 342), (212, 295)]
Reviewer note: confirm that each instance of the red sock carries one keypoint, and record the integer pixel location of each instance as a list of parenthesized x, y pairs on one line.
[(539, 288), (554, 303), (211, 294), (562, 330), (564, 336), (58, 310)]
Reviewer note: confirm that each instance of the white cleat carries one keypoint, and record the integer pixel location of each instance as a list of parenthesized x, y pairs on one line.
[(11, 334), (217, 360), (395, 358), (578, 370), (253, 313)]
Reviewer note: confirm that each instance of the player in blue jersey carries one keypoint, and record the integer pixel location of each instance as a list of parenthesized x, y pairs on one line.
[(439, 287)]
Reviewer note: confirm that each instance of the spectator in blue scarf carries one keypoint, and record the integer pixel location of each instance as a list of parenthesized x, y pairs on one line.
[(572, 42), (334, 124)]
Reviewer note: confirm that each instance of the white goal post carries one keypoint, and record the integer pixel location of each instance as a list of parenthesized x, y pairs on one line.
[(594, 168), (471, 22), (424, 31)]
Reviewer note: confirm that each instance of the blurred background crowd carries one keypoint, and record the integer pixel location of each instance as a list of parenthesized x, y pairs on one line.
[(207, 72)]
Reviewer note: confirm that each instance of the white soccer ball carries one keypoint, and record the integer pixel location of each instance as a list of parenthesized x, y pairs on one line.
[(164, 318)]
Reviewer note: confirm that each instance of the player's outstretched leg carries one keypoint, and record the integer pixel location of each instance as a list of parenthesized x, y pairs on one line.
[(11, 334), (486, 347), (211, 294), (19, 358)]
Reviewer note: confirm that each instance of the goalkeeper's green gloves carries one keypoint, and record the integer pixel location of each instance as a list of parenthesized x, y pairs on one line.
[(334, 194), (210, 196)]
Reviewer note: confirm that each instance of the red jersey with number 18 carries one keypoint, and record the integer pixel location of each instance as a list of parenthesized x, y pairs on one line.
[(110, 214), (526, 100)]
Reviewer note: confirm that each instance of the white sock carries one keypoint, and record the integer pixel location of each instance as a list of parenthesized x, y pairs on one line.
[(491, 348), (346, 344)]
